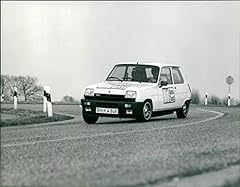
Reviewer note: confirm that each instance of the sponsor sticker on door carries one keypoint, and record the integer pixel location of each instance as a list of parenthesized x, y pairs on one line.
[(168, 95)]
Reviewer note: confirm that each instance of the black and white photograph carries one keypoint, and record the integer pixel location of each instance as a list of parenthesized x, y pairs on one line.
[(120, 94)]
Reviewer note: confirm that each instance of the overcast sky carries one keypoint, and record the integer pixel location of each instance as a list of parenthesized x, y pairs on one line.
[(69, 45)]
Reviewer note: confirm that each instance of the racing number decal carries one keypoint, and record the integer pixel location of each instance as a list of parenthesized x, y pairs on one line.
[(168, 95)]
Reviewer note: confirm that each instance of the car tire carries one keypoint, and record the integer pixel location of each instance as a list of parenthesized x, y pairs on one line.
[(89, 119), (146, 112), (183, 112)]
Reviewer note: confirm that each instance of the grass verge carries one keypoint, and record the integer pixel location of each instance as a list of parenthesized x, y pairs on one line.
[(11, 117), (235, 183)]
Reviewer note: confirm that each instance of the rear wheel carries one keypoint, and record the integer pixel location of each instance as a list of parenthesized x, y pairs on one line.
[(146, 112), (183, 112), (89, 119)]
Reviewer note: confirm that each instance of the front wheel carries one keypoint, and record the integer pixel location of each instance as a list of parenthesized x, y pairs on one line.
[(89, 119), (183, 112), (146, 112)]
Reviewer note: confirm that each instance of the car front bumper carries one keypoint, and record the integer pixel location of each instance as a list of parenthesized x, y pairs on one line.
[(126, 109)]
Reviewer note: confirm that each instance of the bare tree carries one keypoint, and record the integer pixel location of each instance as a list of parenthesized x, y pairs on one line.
[(28, 86), (68, 99), (225, 101), (3, 83), (7, 85), (215, 100), (195, 96)]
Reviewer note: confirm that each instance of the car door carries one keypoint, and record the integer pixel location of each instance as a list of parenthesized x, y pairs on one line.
[(181, 89), (167, 92)]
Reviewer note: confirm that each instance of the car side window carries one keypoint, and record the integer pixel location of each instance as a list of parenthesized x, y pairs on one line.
[(166, 75), (177, 76)]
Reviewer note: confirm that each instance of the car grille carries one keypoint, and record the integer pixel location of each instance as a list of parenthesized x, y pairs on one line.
[(107, 105), (108, 97)]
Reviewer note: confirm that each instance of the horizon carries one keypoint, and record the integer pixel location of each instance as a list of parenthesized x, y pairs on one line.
[(69, 45)]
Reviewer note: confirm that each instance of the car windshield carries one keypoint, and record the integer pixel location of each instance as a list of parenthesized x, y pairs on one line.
[(134, 72)]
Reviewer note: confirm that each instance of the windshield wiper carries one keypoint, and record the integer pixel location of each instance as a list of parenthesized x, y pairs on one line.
[(115, 78)]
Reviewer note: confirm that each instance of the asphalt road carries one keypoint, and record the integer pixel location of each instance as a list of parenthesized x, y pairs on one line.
[(119, 152)]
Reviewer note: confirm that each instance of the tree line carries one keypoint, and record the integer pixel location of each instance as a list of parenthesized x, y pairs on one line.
[(28, 88), (196, 98)]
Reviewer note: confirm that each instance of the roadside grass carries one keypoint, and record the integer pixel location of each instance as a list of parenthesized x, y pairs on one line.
[(198, 171), (11, 117), (235, 183)]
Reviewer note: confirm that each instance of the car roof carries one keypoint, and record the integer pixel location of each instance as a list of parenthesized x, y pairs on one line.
[(159, 64)]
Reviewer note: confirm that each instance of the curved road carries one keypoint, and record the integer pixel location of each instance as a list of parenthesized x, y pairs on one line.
[(119, 152)]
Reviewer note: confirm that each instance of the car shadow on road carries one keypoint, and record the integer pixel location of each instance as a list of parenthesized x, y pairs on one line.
[(135, 121)]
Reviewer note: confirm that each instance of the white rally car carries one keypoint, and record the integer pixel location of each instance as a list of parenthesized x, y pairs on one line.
[(138, 90)]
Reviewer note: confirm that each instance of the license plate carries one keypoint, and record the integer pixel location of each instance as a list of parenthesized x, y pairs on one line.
[(106, 110)]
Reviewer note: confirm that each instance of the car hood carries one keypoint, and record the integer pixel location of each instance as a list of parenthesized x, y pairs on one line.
[(118, 88)]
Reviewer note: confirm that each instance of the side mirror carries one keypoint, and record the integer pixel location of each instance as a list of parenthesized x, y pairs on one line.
[(163, 83)]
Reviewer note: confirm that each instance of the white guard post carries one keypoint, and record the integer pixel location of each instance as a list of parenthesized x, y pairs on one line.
[(229, 100), (2, 97), (229, 81), (44, 99), (49, 101), (15, 98), (205, 102)]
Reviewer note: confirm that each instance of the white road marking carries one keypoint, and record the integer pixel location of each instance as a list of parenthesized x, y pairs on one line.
[(219, 114)]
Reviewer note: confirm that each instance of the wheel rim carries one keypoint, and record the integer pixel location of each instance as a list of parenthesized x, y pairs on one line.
[(185, 109), (147, 111)]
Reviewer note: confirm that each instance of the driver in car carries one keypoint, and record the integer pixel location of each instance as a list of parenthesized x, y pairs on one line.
[(154, 75)]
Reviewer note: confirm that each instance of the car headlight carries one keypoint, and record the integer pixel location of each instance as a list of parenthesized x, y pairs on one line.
[(89, 92), (130, 94)]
